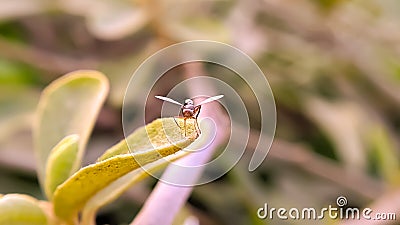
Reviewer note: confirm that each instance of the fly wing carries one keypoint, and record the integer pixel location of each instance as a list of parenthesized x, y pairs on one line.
[(210, 99), (168, 100)]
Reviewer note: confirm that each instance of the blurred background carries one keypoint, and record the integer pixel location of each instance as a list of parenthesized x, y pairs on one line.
[(334, 68)]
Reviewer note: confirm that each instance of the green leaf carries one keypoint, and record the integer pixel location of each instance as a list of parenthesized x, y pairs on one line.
[(118, 187), (17, 209), (69, 105), (17, 106), (118, 20), (137, 142), (115, 189), (385, 153), (161, 138), (60, 163)]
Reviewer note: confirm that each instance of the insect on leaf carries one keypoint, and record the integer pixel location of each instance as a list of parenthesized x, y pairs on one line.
[(164, 138)]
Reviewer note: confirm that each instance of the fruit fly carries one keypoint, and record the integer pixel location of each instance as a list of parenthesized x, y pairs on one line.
[(189, 110)]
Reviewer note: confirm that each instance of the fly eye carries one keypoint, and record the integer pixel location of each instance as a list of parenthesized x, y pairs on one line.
[(189, 101)]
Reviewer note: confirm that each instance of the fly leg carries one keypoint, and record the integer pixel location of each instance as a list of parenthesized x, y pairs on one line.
[(198, 131), (197, 112), (179, 116), (177, 122), (184, 124)]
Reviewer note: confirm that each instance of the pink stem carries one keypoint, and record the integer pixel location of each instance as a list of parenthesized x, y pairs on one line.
[(166, 200)]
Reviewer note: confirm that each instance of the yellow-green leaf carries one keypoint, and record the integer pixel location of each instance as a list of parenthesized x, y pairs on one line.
[(116, 188), (60, 163), (164, 138), (119, 186), (137, 142), (69, 105), (385, 153), (17, 209)]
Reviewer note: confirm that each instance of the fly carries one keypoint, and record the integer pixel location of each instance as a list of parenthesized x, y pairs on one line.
[(189, 110)]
